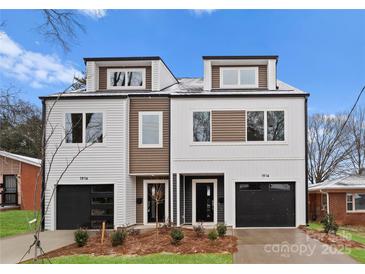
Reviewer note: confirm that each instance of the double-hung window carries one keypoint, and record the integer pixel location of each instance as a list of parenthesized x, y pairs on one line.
[(355, 202), (239, 77), (84, 127), (265, 125), (150, 129), (131, 78), (201, 126)]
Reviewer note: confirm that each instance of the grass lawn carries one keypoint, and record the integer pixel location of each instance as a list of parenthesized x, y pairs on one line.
[(13, 222), (357, 235), (147, 259)]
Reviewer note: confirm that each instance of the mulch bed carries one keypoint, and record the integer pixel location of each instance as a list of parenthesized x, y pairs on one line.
[(331, 239), (148, 243)]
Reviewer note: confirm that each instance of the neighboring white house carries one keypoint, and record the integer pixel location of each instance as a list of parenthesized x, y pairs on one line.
[(228, 148)]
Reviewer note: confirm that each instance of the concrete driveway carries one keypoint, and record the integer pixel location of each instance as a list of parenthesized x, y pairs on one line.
[(282, 246), (13, 248)]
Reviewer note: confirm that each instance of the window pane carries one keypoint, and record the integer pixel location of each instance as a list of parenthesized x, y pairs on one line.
[(135, 79), (280, 187), (150, 129), (201, 126), (102, 188), (275, 126), (117, 79), (73, 127), (349, 206), (249, 186), (101, 200), (247, 77), (94, 127), (230, 77), (349, 198), (255, 126), (360, 201), (102, 212)]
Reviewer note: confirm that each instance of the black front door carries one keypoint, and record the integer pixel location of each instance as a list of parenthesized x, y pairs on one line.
[(204, 202), (156, 197), (10, 190)]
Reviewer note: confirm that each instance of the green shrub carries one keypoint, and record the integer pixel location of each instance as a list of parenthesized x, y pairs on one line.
[(199, 230), (221, 230), (213, 235), (329, 224), (176, 235), (117, 237), (81, 237)]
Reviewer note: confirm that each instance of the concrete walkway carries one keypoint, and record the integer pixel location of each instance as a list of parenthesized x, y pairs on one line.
[(13, 248), (283, 246)]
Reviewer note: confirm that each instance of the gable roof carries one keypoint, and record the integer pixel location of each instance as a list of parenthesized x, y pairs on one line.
[(21, 158), (348, 182)]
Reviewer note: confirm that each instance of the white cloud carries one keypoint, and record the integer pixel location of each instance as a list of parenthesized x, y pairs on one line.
[(200, 12), (35, 68), (94, 13)]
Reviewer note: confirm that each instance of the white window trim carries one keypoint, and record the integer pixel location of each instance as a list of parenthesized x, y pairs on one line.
[(354, 210), (215, 202), (126, 70), (265, 127), (210, 127), (83, 127), (145, 199), (239, 85), (140, 129)]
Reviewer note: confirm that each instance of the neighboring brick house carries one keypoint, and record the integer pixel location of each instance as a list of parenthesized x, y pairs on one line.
[(343, 198), (18, 176)]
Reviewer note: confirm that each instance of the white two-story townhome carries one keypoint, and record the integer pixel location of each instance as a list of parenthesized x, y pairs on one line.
[(227, 148)]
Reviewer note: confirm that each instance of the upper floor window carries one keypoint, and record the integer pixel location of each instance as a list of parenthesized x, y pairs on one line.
[(75, 127), (265, 126), (239, 77), (150, 129), (355, 202), (201, 126), (126, 78)]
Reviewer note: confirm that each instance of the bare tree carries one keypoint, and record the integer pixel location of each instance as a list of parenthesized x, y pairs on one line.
[(327, 146), (356, 140), (61, 26), (158, 196), (47, 167)]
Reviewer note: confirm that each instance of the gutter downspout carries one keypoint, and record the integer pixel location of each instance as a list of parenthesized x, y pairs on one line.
[(43, 163), (306, 159)]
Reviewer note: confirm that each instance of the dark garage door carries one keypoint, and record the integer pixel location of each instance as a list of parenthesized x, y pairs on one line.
[(84, 206), (265, 204)]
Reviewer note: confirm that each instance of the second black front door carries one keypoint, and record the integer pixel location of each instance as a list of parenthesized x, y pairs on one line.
[(156, 195), (204, 202)]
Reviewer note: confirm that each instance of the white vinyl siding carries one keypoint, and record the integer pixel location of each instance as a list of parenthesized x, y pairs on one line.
[(102, 163)]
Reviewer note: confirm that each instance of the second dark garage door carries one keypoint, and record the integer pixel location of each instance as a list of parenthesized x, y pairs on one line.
[(265, 204), (84, 206)]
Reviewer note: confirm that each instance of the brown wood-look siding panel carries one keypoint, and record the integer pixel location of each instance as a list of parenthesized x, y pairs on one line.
[(216, 75), (103, 76), (228, 125), (148, 160)]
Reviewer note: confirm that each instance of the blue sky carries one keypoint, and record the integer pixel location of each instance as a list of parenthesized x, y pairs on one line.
[(322, 52)]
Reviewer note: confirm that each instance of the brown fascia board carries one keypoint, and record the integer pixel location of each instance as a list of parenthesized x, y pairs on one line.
[(138, 58), (237, 57)]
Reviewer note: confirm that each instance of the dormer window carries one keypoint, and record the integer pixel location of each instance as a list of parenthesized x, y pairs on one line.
[(239, 77), (126, 78)]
